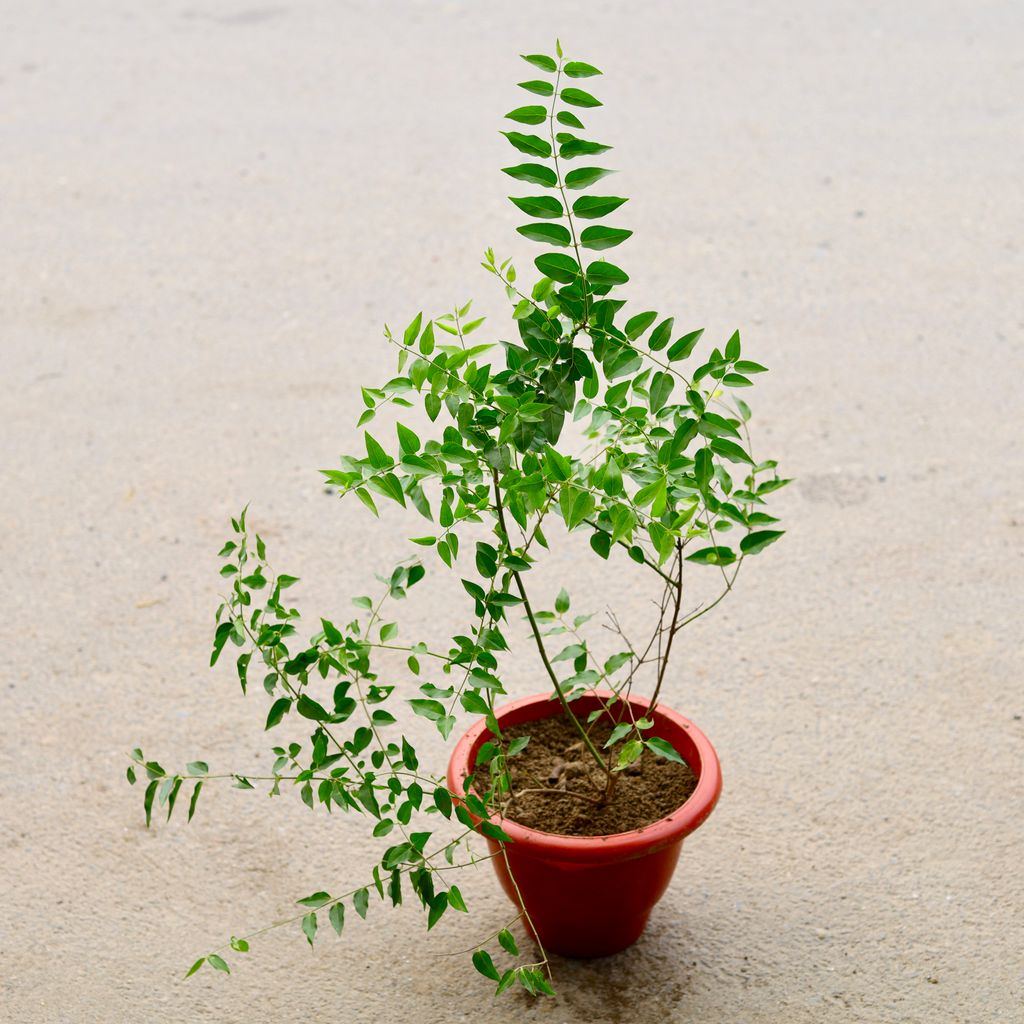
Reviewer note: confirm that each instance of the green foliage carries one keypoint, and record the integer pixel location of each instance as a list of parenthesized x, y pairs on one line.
[(666, 467)]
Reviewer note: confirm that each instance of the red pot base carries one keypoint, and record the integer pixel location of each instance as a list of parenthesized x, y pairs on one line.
[(591, 896)]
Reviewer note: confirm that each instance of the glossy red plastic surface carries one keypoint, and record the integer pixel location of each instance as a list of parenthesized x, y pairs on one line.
[(590, 896)]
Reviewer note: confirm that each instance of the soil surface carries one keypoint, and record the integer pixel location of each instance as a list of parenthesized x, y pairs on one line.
[(558, 786)]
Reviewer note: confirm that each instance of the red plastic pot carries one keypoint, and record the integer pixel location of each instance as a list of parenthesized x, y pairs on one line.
[(590, 896)]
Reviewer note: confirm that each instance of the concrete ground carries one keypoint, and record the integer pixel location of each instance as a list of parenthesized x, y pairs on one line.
[(207, 210)]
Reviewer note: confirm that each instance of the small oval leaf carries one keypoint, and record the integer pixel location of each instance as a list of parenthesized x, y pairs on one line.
[(528, 115), (531, 145), (552, 234), (579, 98), (600, 237), (593, 207), (538, 88), (579, 69), (583, 177), (539, 206), (601, 273), (536, 174), (558, 267), (542, 61)]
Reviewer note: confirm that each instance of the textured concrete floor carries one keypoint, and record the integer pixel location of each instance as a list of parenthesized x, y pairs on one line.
[(208, 209)]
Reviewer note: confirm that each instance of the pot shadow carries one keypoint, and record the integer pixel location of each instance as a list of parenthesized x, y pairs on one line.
[(652, 980)]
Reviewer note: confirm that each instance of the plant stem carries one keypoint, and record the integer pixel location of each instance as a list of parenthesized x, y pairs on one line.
[(500, 508), (522, 907), (673, 626)]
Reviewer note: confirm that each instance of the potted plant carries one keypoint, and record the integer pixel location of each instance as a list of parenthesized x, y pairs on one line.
[(597, 418)]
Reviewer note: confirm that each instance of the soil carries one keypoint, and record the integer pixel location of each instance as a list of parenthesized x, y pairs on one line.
[(555, 766)]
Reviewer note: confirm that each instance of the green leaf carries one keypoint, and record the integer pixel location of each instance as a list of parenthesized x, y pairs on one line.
[(579, 98), (426, 344), (195, 967), (309, 928), (539, 60), (492, 831), (365, 498), (748, 366), (361, 900), (663, 749), (661, 388), (407, 439), (621, 730), (704, 466), (337, 917), (308, 708), (598, 236), (730, 450), (432, 710), (583, 177), (685, 433), (485, 965), (602, 272), (713, 556), (443, 801), (531, 145), (732, 346), (571, 147), (539, 206), (332, 634), (413, 329), (578, 69), (552, 234), (318, 899), (224, 630), (379, 458), (628, 754), (562, 602), (661, 335), (651, 493), (455, 900), (518, 745), (538, 88), (197, 768), (759, 540), (636, 325), (438, 905), (594, 207), (684, 346), (195, 799), (567, 117), (736, 380), (278, 710), (536, 174), (507, 942), (558, 267), (528, 115), (218, 963), (147, 800), (612, 481)]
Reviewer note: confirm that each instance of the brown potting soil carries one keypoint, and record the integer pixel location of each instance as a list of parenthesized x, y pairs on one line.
[(557, 785)]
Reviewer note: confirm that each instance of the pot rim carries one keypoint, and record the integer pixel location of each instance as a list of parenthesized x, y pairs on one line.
[(621, 845)]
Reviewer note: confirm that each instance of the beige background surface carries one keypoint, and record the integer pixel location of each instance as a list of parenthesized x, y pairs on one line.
[(208, 209)]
